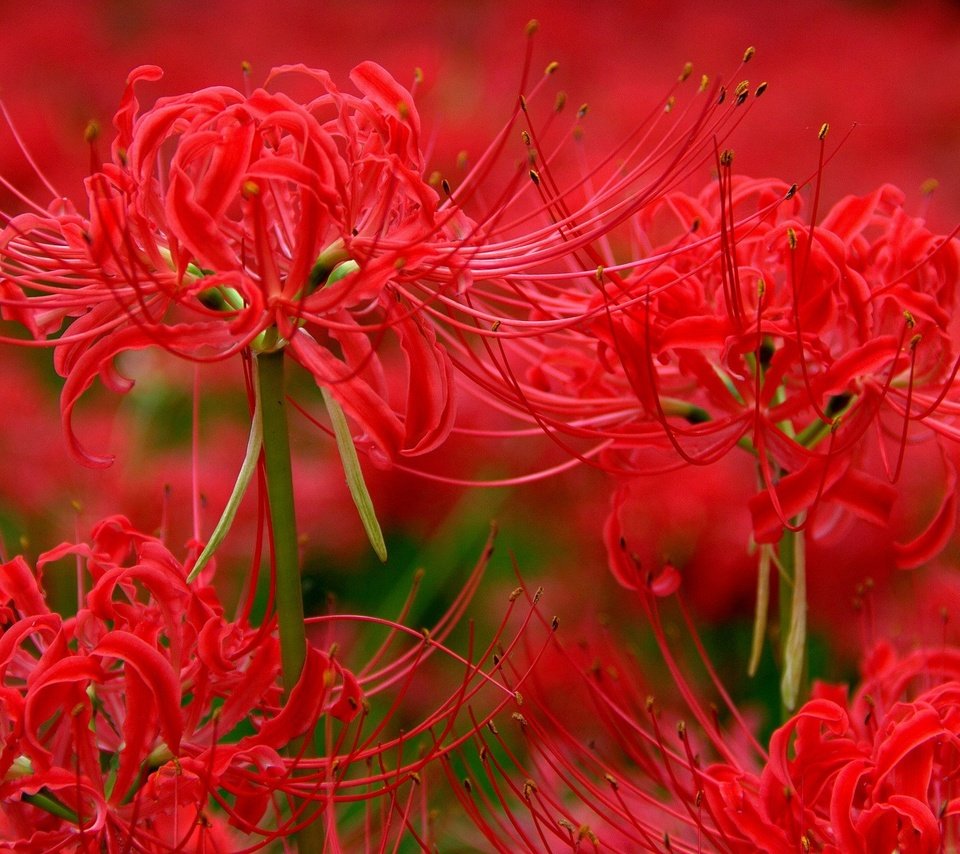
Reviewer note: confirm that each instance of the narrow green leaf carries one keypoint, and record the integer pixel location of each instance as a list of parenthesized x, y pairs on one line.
[(249, 466), (355, 481), (763, 607), (794, 649)]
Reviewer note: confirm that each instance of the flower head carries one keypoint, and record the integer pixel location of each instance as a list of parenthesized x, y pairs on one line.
[(226, 222)]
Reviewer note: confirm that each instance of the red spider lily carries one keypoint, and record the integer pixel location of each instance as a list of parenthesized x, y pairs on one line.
[(225, 222), (823, 350), (149, 721), (602, 769), (878, 773), (121, 716)]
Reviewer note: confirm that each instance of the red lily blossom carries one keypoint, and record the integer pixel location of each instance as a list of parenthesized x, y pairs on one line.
[(823, 349), (225, 222), (878, 773), (149, 720), (120, 716), (605, 764)]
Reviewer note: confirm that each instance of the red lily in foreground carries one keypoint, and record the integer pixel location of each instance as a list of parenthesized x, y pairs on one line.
[(226, 222), (150, 721)]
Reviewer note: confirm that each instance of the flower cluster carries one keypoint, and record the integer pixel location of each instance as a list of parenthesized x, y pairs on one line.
[(824, 350), (877, 773), (641, 325), (124, 723), (226, 222)]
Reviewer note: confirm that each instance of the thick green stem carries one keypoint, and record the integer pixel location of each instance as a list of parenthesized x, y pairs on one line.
[(286, 552), (276, 452)]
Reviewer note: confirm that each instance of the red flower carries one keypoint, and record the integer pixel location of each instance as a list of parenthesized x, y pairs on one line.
[(824, 350), (877, 774), (226, 222), (123, 716)]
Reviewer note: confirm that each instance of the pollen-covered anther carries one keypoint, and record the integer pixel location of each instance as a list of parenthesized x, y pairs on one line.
[(91, 131), (246, 67), (462, 160), (492, 727), (535, 177), (915, 341), (418, 75), (742, 91), (668, 106), (566, 824), (415, 777), (612, 781), (582, 110), (532, 26), (791, 192), (824, 130), (518, 698), (495, 325), (559, 102), (791, 238), (704, 82), (515, 594), (929, 186), (529, 787), (525, 137), (537, 595), (403, 109), (250, 189), (805, 842), (749, 53), (685, 72), (555, 623), (520, 719), (599, 274), (726, 157), (586, 833), (908, 317), (551, 68), (523, 103)]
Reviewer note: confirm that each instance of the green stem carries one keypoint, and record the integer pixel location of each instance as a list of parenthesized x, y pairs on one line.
[(286, 552), (276, 453)]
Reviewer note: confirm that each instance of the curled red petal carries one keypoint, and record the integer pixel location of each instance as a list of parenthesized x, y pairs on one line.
[(932, 540), (161, 683)]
